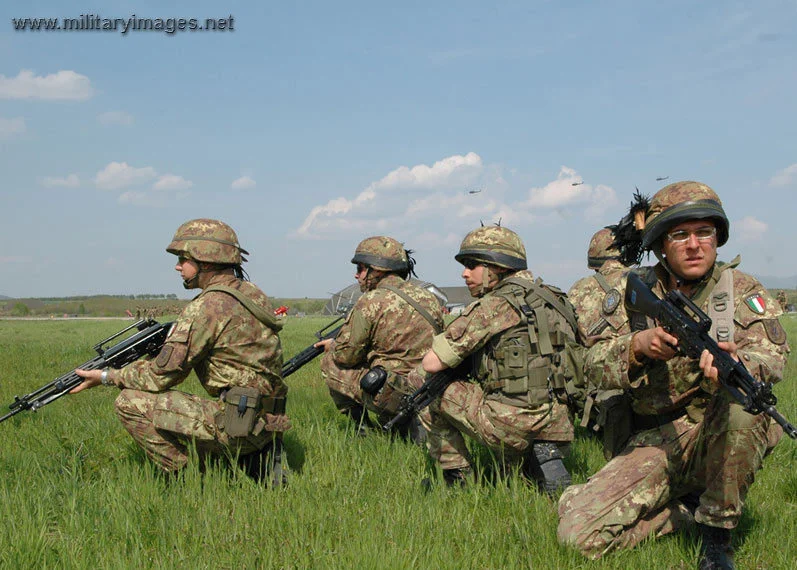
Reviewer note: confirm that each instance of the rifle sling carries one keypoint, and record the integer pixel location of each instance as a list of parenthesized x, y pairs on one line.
[(259, 313), (415, 305)]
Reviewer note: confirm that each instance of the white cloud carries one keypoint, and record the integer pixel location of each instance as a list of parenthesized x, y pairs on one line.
[(63, 85), (119, 175), (71, 181), (784, 177), (243, 183), (749, 229), (114, 118), (11, 127), (432, 208), (391, 195), (172, 182)]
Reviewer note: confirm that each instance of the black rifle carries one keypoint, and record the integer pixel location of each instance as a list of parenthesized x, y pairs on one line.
[(680, 317), (432, 388), (311, 351), (148, 339)]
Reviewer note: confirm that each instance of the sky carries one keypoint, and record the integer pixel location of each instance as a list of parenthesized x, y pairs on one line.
[(308, 126)]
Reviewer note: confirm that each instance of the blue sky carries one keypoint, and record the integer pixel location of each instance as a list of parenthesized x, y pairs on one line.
[(312, 125)]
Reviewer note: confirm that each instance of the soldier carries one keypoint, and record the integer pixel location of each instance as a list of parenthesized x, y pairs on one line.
[(384, 337), (601, 412), (509, 348), (228, 336), (692, 444), (782, 299)]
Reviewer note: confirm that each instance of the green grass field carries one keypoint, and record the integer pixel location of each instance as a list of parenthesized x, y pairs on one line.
[(75, 492)]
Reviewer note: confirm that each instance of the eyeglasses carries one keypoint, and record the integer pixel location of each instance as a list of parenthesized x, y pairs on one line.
[(471, 264), (682, 236), (361, 268), (182, 259)]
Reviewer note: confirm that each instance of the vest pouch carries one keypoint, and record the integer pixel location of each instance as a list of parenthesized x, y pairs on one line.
[(615, 421), (241, 407), (373, 380)]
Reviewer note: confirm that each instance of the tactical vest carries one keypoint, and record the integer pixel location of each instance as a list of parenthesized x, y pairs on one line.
[(533, 361)]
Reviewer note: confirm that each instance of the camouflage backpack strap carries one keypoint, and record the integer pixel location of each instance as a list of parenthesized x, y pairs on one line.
[(415, 305), (721, 306), (259, 313), (602, 282), (537, 295)]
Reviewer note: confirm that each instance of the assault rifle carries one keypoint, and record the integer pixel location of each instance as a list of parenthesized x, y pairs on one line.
[(148, 339), (431, 389), (680, 317), (311, 351)]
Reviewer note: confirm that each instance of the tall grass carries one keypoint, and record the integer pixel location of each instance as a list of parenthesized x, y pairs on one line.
[(75, 492)]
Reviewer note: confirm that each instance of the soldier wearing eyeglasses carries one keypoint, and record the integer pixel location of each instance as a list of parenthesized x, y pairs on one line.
[(692, 452)]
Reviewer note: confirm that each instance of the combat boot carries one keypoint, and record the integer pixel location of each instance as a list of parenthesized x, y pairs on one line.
[(716, 552), (457, 477), (362, 423), (413, 431), (452, 477), (545, 467), (266, 466)]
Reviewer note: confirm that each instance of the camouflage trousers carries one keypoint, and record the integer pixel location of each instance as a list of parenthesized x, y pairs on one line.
[(636, 495), (168, 425), (344, 387), (508, 430)]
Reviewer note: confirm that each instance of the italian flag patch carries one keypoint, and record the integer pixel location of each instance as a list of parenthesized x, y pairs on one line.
[(756, 303)]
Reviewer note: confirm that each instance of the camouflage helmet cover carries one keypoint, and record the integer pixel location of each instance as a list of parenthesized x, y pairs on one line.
[(382, 253), (494, 245), (209, 241), (681, 202), (601, 248)]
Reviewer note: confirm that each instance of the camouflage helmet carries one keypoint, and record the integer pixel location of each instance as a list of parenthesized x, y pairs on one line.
[(209, 241), (601, 248), (382, 253), (681, 202), (494, 245)]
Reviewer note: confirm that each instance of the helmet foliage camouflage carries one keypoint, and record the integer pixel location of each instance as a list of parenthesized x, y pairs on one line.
[(682, 202), (382, 253), (494, 245), (601, 248), (209, 241)]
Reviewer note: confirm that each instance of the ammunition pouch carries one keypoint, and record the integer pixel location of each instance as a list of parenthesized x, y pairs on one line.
[(243, 406), (615, 421), (374, 380)]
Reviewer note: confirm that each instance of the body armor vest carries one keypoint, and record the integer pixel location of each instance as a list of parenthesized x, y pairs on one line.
[(533, 361)]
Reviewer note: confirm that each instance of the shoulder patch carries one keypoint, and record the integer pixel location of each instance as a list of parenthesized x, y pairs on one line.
[(756, 303), (611, 301), (774, 330)]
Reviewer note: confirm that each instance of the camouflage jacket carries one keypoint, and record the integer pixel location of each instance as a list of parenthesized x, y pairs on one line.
[(587, 295), (661, 387), (383, 329), (482, 320), (218, 338)]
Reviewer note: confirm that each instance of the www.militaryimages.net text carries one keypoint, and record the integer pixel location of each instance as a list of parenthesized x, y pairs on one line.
[(133, 23)]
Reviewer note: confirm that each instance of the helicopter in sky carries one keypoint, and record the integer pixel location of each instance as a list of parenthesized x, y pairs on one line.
[(475, 190), (660, 178)]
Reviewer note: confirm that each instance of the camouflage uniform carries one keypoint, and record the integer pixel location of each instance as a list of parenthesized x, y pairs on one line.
[(689, 437), (226, 346), (782, 299), (488, 417), (482, 406), (381, 330), (603, 257)]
